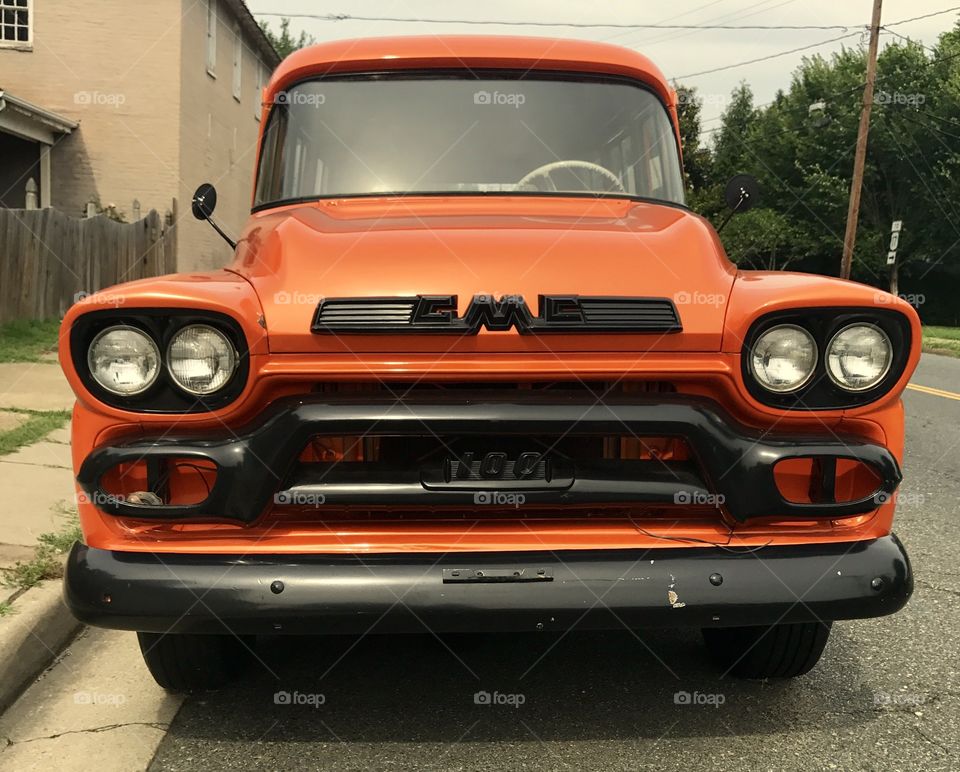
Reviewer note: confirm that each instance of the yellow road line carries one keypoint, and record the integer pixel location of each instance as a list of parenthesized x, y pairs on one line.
[(934, 392)]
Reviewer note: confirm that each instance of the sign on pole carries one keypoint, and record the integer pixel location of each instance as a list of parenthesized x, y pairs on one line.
[(894, 241)]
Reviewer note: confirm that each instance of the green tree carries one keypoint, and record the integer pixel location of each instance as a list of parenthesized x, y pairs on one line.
[(697, 159), (284, 42), (731, 151)]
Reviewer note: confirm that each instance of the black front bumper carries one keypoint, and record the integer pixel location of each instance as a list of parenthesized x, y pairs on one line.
[(734, 464), (469, 592)]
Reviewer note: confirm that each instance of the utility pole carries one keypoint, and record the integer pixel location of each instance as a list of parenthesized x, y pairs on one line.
[(853, 212)]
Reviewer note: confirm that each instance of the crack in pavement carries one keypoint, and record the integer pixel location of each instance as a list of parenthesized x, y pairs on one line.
[(930, 740), (91, 730)]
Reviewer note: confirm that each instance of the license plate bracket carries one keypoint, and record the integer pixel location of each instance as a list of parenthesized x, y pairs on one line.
[(496, 575)]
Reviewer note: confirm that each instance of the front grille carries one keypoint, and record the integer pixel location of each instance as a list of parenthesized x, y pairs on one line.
[(379, 451)]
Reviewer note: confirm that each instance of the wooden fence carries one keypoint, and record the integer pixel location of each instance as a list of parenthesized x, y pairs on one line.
[(48, 259)]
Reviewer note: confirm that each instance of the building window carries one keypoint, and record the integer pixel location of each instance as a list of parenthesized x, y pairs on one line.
[(237, 61), (16, 23), (212, 37)]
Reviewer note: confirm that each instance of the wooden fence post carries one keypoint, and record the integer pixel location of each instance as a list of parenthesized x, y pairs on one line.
[(30, 196)]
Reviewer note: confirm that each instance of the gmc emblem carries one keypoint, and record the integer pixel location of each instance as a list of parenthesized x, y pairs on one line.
[(438, 314)]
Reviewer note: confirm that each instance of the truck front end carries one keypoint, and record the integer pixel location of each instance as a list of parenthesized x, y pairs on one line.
[(476, 366)]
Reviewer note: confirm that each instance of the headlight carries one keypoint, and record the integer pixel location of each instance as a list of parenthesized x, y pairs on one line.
[(858, 357), (201, 359), (124, 360), (783, 358)]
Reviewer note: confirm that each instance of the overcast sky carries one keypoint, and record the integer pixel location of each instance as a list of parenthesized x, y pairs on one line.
[(677, 52)]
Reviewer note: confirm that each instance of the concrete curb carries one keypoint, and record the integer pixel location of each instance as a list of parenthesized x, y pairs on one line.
[(31, 637)]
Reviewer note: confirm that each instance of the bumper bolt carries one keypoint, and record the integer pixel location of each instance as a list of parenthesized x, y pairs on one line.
[(877, 583), (716, 580), (276, 587)]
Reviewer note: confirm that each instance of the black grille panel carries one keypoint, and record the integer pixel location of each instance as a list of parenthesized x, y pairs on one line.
[(364, 314), (438, 314), (641, 314)]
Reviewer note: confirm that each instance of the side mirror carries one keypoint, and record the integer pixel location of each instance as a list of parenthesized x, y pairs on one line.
[(204, 201), (203, 204), (740, 195), (741, 192)]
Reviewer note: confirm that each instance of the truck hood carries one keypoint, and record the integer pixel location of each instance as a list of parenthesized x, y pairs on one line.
[(297, 256)]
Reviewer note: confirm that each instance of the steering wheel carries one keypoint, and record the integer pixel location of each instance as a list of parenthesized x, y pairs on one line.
[(545, 170)]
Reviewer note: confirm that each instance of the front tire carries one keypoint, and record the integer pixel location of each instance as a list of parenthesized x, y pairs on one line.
[(778, 651), (190, 663)]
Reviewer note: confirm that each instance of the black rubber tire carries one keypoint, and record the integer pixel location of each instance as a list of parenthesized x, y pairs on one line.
[(192, 663), (780, 651)]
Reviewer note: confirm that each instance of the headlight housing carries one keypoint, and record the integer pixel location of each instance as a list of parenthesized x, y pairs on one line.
[(784, 358), (201, 359), (862, 354), (184, 388), (124, 360), (859, 357)]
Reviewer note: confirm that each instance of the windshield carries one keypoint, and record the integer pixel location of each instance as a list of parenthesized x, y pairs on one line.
[(406, 133)]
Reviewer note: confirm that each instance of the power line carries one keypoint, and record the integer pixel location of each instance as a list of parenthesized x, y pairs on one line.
[(585, 25), (766, 58), (885, 31), (925, 16), (334, 17), (726, 18), (928, 126), (880, 79)]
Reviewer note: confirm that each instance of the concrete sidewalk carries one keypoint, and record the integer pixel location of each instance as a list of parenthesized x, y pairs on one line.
[(37, 480), (34, 386), (36, 490), (96, 706)]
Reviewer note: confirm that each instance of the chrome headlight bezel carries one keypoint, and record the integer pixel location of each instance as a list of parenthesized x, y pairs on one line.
[(828, 353), (151, 343), (810, 373), (230, 352)]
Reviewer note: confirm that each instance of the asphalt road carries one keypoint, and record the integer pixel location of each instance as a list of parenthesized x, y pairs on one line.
[(885, 696)]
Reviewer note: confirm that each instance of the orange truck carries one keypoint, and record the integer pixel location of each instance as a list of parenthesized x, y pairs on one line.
[(476, 366)]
